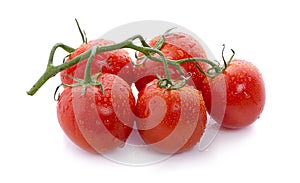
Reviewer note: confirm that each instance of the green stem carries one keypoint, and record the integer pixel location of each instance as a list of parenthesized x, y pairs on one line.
[(87, 72), (82, 33), (231, 58), (51, 70), (166, 68), (148, 51), (210, 62), (53, 50)]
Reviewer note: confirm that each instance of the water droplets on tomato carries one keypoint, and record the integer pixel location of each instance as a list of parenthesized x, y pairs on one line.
[(80, 122), (120, 97), (247, 95), (106, 122), (180, 53), (93, 105), (98, 122), (166, 51), (176, 107), (239, 88), (106, 111)]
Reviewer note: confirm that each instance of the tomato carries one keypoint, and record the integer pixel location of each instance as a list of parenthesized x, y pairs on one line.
[(170, 121), (96, 121), (236, 97), (176, 46), (115, 62)]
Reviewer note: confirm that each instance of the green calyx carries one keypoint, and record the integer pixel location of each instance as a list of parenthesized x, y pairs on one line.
[(85, 84), (170, 84)]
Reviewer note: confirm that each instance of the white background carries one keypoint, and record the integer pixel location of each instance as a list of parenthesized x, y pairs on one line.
[(34, 148)]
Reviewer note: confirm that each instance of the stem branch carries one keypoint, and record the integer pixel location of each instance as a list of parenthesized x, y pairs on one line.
[(51, 70), (87, 72), (147, 50)]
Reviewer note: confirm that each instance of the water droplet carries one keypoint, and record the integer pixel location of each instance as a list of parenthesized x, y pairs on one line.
[(247, 95), (120, 97), (98, 122), (165, 51), (93, 105), (106, 122), (81, 122), (106, 111), (180, 53), (176, 107), (240, 88)]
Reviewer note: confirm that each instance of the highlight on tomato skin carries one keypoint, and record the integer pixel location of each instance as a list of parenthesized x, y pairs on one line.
[(98, 122), (170, 121), (239, 91)]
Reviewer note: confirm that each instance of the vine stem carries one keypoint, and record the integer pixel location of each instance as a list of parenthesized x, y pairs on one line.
[(147, 50), (54, 48), (87, 73), (52, 70)]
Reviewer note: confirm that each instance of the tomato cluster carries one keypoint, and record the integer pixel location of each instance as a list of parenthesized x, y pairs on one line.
[(179, 88), (169, 121)]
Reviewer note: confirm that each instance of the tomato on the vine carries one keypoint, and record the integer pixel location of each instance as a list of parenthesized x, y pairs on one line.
[(236, 97), (176, 46), (97, 120), (116, 62), (178, 86), (170, 121)]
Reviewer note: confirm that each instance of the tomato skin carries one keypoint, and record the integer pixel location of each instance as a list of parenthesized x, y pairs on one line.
[(241, 96), (170, 121), (116, 62), (97, 122), (68, 122), (176, 46)]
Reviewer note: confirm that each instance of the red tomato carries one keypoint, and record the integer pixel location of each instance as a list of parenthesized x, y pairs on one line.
[(236, 97), (176, 46), (170, 121), (94, 121), (115, 62)]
